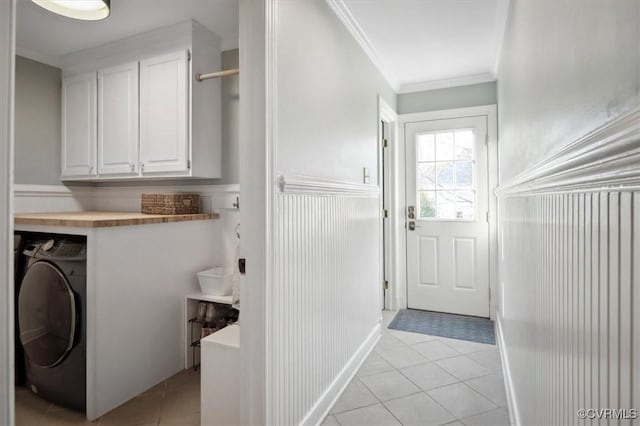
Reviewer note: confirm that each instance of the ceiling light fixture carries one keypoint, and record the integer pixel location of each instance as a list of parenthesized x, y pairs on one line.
[(84, 10)]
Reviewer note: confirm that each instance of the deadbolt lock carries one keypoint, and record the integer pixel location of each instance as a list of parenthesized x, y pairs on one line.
[(412, 225), (411, 212)]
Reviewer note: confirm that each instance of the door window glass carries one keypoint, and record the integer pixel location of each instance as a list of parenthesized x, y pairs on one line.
[(446, 175)]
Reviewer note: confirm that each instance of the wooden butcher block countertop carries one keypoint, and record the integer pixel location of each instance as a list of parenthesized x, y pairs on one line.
[(104, 219)]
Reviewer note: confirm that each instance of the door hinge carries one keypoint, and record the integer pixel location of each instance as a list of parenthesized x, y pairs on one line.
[(188, 55), (242, 265), (385, 143), (486, 139), (385, 285), (487, 216), (385, 213), (188, 164)]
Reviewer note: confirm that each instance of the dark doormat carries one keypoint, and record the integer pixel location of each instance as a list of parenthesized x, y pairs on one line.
[(461, 327)]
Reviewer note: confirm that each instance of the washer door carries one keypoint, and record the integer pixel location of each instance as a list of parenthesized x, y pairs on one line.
[(47, 315)]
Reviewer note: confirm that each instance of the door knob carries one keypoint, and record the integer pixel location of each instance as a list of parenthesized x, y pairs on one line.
[(412, 225)]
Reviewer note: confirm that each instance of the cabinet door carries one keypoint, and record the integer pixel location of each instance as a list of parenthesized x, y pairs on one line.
[(118, 120), (79, 125), (164, 114)]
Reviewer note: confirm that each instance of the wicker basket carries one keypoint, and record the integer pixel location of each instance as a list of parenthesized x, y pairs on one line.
[(170, 203)]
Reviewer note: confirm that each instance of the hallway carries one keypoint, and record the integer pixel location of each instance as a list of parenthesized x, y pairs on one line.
[(417, 379), (316, 171)]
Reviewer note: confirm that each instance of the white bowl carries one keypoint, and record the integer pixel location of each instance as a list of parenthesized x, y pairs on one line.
[(216, 281)]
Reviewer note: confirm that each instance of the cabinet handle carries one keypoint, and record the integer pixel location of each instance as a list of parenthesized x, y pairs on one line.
[(142, 167), (133, 167)]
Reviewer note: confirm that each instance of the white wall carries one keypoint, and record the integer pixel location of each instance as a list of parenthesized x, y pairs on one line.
[(323, 306), (7, 40), (566, 68), (568, 217), (327, 96), (256, 38)]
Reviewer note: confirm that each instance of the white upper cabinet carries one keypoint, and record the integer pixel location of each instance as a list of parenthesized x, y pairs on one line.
[(118, 120), (79, 126), (164, 130), (133, 109)]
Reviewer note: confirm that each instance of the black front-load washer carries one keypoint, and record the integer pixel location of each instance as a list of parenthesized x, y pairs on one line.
[(52, 320)]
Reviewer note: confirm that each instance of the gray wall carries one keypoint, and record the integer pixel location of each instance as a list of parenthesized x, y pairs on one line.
[(327, 96), (37, 123), (448, 98), (567, 67), (230, 120)]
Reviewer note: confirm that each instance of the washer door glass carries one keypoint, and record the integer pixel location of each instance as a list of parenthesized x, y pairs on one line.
[(47, 315)]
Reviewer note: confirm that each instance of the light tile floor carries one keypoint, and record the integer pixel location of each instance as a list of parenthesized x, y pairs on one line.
[(417, 379), (174, 402), (409, 379)]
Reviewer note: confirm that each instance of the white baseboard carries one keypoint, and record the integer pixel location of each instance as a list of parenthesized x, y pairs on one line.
[(322, 407), (514, 413)]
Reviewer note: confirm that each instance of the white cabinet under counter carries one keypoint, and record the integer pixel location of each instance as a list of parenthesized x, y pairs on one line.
[(139, 267), (136, 110), (220, 381)]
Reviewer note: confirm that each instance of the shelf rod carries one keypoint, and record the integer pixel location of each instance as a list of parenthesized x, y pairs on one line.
[(225, 73)]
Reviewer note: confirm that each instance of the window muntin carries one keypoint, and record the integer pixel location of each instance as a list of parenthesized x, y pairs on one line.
[(445, 175)]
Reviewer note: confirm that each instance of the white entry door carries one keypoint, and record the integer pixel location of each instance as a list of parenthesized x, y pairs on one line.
[(447, 209)]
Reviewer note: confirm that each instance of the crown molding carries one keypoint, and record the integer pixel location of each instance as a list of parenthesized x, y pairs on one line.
[(43, 58), (346, 17), (343, 12), (446, 83)]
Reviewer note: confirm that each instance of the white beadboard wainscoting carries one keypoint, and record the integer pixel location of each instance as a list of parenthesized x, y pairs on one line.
[(324, 303), (569, 325)]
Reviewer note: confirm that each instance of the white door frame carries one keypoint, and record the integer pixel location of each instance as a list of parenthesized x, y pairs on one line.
[(257, 192), (7, 66), (387, 114), (398, 150)]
